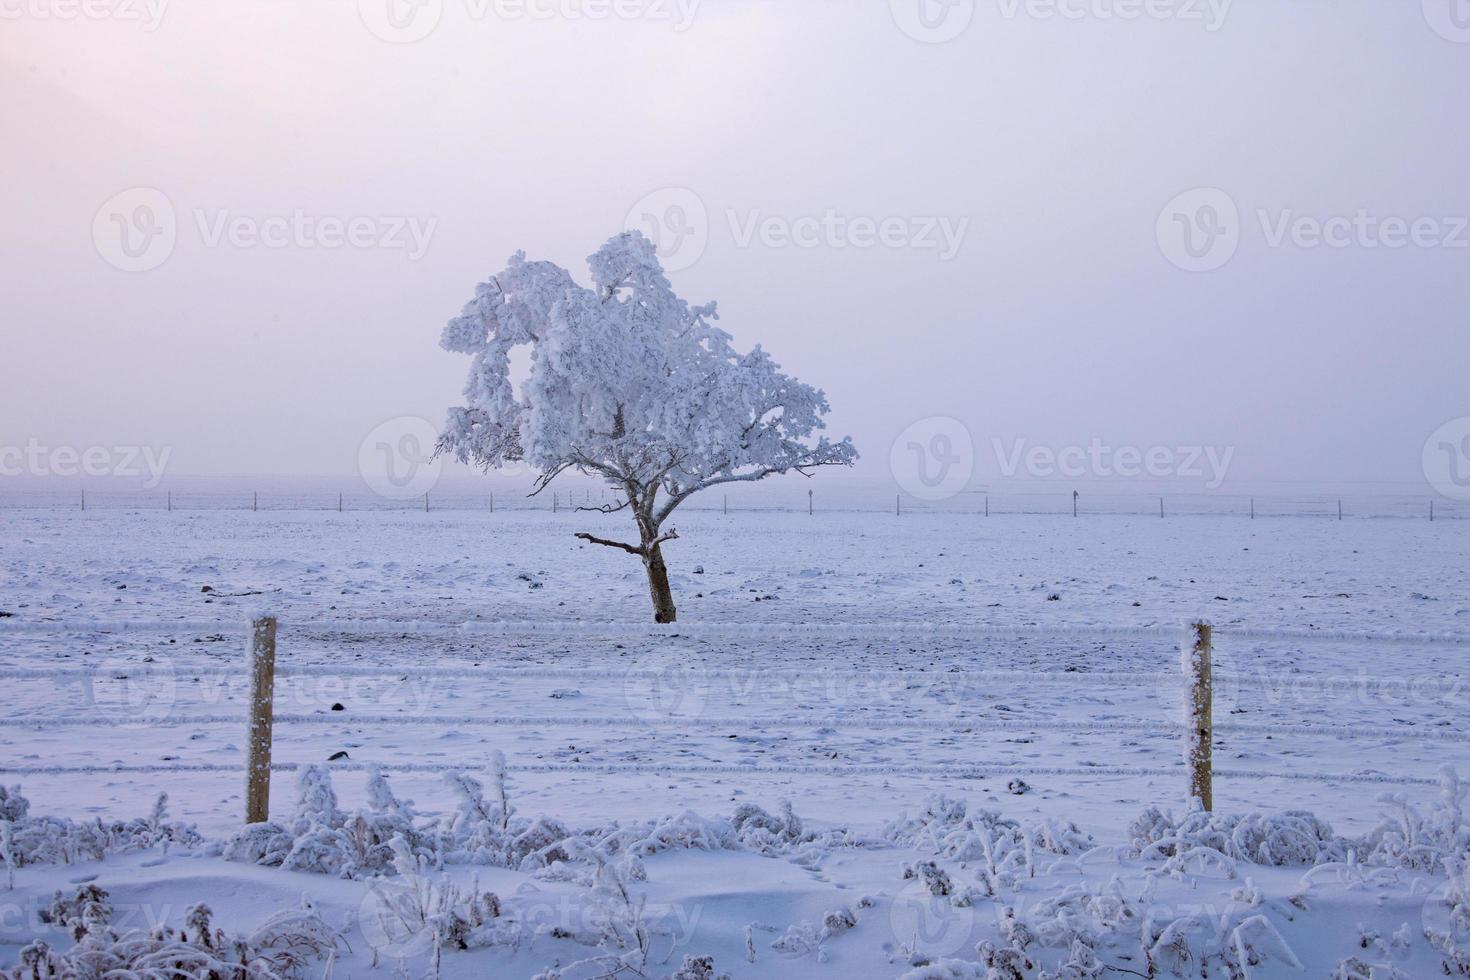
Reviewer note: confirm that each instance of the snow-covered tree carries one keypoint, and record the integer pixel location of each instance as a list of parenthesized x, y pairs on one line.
[(629, 384)]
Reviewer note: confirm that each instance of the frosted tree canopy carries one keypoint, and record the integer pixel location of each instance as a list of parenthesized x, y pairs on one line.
[(629, 383)]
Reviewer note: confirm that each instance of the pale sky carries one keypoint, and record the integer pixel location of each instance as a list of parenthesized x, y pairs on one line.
[(1046, 146)]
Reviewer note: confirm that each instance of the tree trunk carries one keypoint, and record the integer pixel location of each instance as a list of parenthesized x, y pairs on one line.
[(658, 586)]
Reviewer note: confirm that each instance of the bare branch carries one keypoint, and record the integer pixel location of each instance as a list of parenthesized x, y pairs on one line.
[(607, 508), (544, 480), (630, 549), (670, 535)]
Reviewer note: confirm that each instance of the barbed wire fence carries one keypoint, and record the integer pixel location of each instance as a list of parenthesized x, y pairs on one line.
[(1194, 683), (1000, 502)]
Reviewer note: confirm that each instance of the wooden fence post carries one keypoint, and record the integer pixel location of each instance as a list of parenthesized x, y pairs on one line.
[(1199, 739), (262, 711)]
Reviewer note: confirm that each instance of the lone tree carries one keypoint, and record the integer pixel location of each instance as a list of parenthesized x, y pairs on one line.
[(630, 384)]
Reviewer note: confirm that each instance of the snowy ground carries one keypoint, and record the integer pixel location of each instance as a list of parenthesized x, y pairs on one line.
[(855, 717)]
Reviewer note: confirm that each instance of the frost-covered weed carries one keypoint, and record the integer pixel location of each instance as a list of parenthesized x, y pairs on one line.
[(1405, 837), (320, 838), (280, 948), (27, 840)]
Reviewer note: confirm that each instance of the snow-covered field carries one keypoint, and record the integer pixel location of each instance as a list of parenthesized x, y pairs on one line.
[(823, 660)]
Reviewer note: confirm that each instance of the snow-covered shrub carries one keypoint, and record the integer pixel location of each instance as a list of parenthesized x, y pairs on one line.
[(949, 828), (1283, 839), (281, 947), (57, 840), (1450, 929), (1003, 848), (417, 904), (698, 968), (320, 838), (1405, 837)]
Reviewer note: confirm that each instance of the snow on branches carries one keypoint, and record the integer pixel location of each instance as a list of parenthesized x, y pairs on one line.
[(629, 384), (280, 948)]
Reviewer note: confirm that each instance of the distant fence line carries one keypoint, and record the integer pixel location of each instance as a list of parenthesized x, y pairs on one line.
[(980, 503)]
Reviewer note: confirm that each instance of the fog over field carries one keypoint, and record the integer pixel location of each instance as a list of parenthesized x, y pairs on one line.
[(734, 489)]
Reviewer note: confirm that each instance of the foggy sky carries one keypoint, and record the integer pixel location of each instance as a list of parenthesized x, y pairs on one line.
[(1055, 140)]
